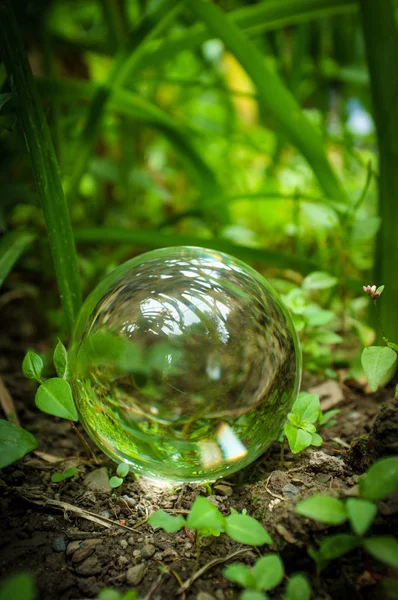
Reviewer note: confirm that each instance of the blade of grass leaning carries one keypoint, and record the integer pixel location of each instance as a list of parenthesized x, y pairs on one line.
[(254, 20), (132, 105), (45, 167), (152, 238), (123, 67), (381, 40), (12, 246), (274, 96)]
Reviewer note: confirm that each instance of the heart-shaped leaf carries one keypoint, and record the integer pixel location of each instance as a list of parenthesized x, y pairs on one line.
[(54, 397)]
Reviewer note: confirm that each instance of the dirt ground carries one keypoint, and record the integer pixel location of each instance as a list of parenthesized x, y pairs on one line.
[(80, 536)]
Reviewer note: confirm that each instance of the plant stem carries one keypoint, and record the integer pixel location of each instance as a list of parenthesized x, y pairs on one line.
[(45, 167), (381, 40)]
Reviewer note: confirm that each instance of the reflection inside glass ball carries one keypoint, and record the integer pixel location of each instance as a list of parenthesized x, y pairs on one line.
[(184, 364)]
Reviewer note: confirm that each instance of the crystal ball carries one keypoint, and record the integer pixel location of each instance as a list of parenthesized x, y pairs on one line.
[(184, 364)]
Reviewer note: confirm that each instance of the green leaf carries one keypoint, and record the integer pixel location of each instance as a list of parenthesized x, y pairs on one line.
[(392, 346), (240, 574), (361, 514), (307, 407), (12, 246), (293, 418), (60, 360), (115, 482), (253, 595), (379, 364), (328, 337), (268, 572), (15, 442), (319, 280), (32, 366), (316, 440), (18, 587), (298, 588), (70, 472), (57, 477), (335, 546), (109, 594), (308, 427), (384, 548), (390, 587), (324, 509), (122, 470), (380, 289), (381, 480), (298, 438), (246, 530), (204, 515), (170, 523), (54, 397)]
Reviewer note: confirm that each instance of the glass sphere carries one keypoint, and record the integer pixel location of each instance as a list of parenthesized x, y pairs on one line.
[(184, 364)]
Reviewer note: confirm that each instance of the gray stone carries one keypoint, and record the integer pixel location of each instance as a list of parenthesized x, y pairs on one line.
[(97, 481), (85, 549), (223, 490), (131, 541), (91, 566), (59, 544), (72, 547), (148, 550), (136, 574), (204, 596), (289, 490), (124, 544)]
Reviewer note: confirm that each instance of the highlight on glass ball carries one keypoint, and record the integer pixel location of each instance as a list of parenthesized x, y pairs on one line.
[(184, 364)]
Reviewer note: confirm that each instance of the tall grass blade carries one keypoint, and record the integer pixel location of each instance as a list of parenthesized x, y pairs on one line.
[(12, 246), (381, 40), (274, 96), (44, 163)]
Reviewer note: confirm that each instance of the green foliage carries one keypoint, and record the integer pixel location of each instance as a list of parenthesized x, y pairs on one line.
[(298, 588), (245, 529), (384, 548), (18, 587), (319, 280), (14, 244), (122, 470), (115, 482), (66, 474), (381, 480), (266, 574), (324, 509), (111, 594), (300, 429), (206, 519), (379, 364), (54, 397), (15, 442), (32, 366), (60, 360), (361, 514)]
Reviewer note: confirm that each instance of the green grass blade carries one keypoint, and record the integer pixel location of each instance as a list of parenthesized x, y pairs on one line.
[(154, 239), (132, 105), (381, 41), (44, 163), (254, 20), (12, 246), (125, 62), (274, 96)]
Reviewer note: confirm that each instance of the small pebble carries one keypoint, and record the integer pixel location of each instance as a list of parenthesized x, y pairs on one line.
[(131, 541), (223, 490), (289, 490), (148, 550), (124, 544), (214, 500), (187, 546), (85, 549), (72, 547), (136, 553), (204, 596), (136, 574), (123, 560), (59, 544)]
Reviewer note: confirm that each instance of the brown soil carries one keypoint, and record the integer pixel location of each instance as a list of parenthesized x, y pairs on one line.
[(51, 529)]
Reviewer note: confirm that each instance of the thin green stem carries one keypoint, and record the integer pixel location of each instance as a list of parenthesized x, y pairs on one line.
[(45, 167)]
